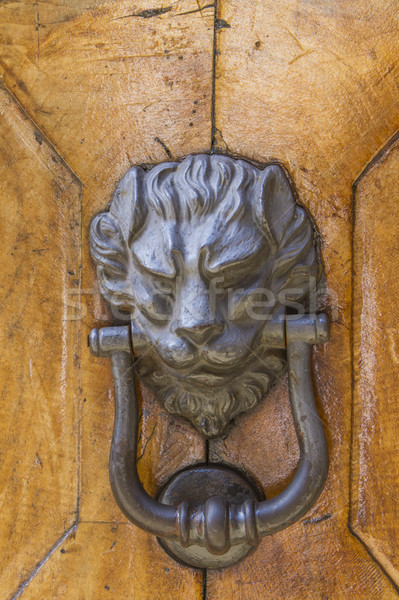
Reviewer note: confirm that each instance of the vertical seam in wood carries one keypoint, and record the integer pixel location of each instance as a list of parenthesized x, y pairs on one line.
[(213, 145), (79, 333), (352, 354), (204, 581), (213, 100)]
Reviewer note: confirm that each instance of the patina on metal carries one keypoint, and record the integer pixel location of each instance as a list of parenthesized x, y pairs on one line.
[(201, 253), (214, 263)]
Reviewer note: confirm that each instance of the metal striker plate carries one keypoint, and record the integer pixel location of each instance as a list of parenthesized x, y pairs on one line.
[(195, 486)]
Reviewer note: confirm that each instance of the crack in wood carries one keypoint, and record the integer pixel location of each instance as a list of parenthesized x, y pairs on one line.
[(190, 12), (146, 444), (147, 13), (164, 146)]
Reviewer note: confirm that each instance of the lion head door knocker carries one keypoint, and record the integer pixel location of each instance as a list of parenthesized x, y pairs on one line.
[(215, 263)]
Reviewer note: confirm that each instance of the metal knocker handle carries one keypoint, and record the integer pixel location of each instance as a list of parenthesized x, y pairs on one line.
[(220, 528)]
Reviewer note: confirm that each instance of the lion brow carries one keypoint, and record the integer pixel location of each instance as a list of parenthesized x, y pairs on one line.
[(156, 270), (241, 262)]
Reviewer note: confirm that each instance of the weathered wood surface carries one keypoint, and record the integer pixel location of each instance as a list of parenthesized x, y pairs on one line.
[(110, 86), (314, 85), (375, 457), (105, 560), (39, 365)]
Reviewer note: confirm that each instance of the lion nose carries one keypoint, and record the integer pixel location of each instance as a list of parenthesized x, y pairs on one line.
[(200, 334)]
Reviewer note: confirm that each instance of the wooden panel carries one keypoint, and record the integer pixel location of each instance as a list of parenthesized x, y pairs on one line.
[(109, 84), (112, 84), (314, 85), (375, 482), (100, 560), (328, 563), (39, 367)]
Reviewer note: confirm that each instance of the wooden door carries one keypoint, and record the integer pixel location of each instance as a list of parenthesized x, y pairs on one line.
[(88, 89)]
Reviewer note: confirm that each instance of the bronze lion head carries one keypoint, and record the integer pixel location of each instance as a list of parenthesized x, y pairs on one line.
[(200, 254)]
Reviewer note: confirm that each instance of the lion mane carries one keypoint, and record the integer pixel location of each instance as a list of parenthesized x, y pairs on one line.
[(208, 186)]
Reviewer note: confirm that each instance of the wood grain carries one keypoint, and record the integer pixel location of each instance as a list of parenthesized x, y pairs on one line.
[(313, 85), (375, 482), (110, 86), (98, 558), (280, 449), (39, 366)]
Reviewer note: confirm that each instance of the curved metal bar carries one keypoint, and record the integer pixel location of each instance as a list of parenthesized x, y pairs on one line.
[(308, 482), (138, 506), (133, 500), (217, 525)]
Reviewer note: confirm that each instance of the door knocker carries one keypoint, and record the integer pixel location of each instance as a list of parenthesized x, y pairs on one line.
[(216, 267)]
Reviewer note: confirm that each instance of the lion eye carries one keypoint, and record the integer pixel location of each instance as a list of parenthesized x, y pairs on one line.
[(158, 306), (165, 287), (237, 279)]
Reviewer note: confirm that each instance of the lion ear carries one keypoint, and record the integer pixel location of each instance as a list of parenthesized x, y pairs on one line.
[(127, 205), (110, 236), (276, 206)]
